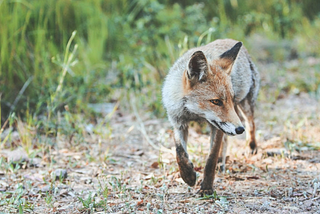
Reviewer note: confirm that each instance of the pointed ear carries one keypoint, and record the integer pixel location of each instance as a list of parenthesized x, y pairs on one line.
[(198, 67), (227, 58)]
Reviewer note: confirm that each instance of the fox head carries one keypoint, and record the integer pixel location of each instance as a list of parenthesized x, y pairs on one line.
[(208, 90)]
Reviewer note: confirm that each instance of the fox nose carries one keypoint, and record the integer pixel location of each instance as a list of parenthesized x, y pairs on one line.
[(239, 130)]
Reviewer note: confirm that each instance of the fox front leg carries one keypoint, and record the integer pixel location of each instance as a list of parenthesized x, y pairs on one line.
[(210, 168), (185, 165)]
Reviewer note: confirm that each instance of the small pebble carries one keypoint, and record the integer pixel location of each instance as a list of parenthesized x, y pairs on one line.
[(45, 189), (17, 156)]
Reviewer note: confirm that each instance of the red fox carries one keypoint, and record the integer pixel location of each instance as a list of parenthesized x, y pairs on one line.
[(211, 83)]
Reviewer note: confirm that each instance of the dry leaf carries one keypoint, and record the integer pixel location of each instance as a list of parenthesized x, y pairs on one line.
[(139, 203), (155, 165)]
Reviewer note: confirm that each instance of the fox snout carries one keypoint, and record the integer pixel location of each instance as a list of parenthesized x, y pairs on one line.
[(231, 129), (239, 130), (228, 127)]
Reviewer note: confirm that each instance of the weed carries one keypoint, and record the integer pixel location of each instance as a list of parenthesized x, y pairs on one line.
[(49, 199), (90, 203), (16, 201), (206, 197)]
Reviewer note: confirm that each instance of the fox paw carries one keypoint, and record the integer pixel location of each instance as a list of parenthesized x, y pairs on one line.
[(204, 192), (187, 173), (206, 188), (254, 148)]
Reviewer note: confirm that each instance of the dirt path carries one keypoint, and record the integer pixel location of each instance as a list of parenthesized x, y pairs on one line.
[(123, 173)]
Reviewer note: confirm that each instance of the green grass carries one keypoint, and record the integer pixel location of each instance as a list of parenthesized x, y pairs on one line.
[(121, 47), (57, 57)]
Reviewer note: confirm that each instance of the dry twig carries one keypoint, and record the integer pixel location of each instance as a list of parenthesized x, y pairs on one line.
[(144, 132)]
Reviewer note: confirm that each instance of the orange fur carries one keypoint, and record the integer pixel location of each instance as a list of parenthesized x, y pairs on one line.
[(217, 84)]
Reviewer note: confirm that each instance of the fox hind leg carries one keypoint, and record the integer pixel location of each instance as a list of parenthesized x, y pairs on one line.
[(223, 153)]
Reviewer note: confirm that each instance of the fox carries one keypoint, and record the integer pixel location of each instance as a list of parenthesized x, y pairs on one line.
[(216, 83)]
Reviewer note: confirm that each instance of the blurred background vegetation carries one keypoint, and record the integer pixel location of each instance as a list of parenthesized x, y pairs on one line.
[(77, 52)]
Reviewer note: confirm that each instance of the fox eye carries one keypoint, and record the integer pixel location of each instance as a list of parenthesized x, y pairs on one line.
[(216, 102)]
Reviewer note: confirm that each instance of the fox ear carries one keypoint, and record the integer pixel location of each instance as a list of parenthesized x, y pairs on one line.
[(227, 58), (198, 67)]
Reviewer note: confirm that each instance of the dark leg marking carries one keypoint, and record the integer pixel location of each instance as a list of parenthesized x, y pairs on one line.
[(185, 166)]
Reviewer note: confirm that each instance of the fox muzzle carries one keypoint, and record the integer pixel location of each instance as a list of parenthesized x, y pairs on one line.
[(239, 130)]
